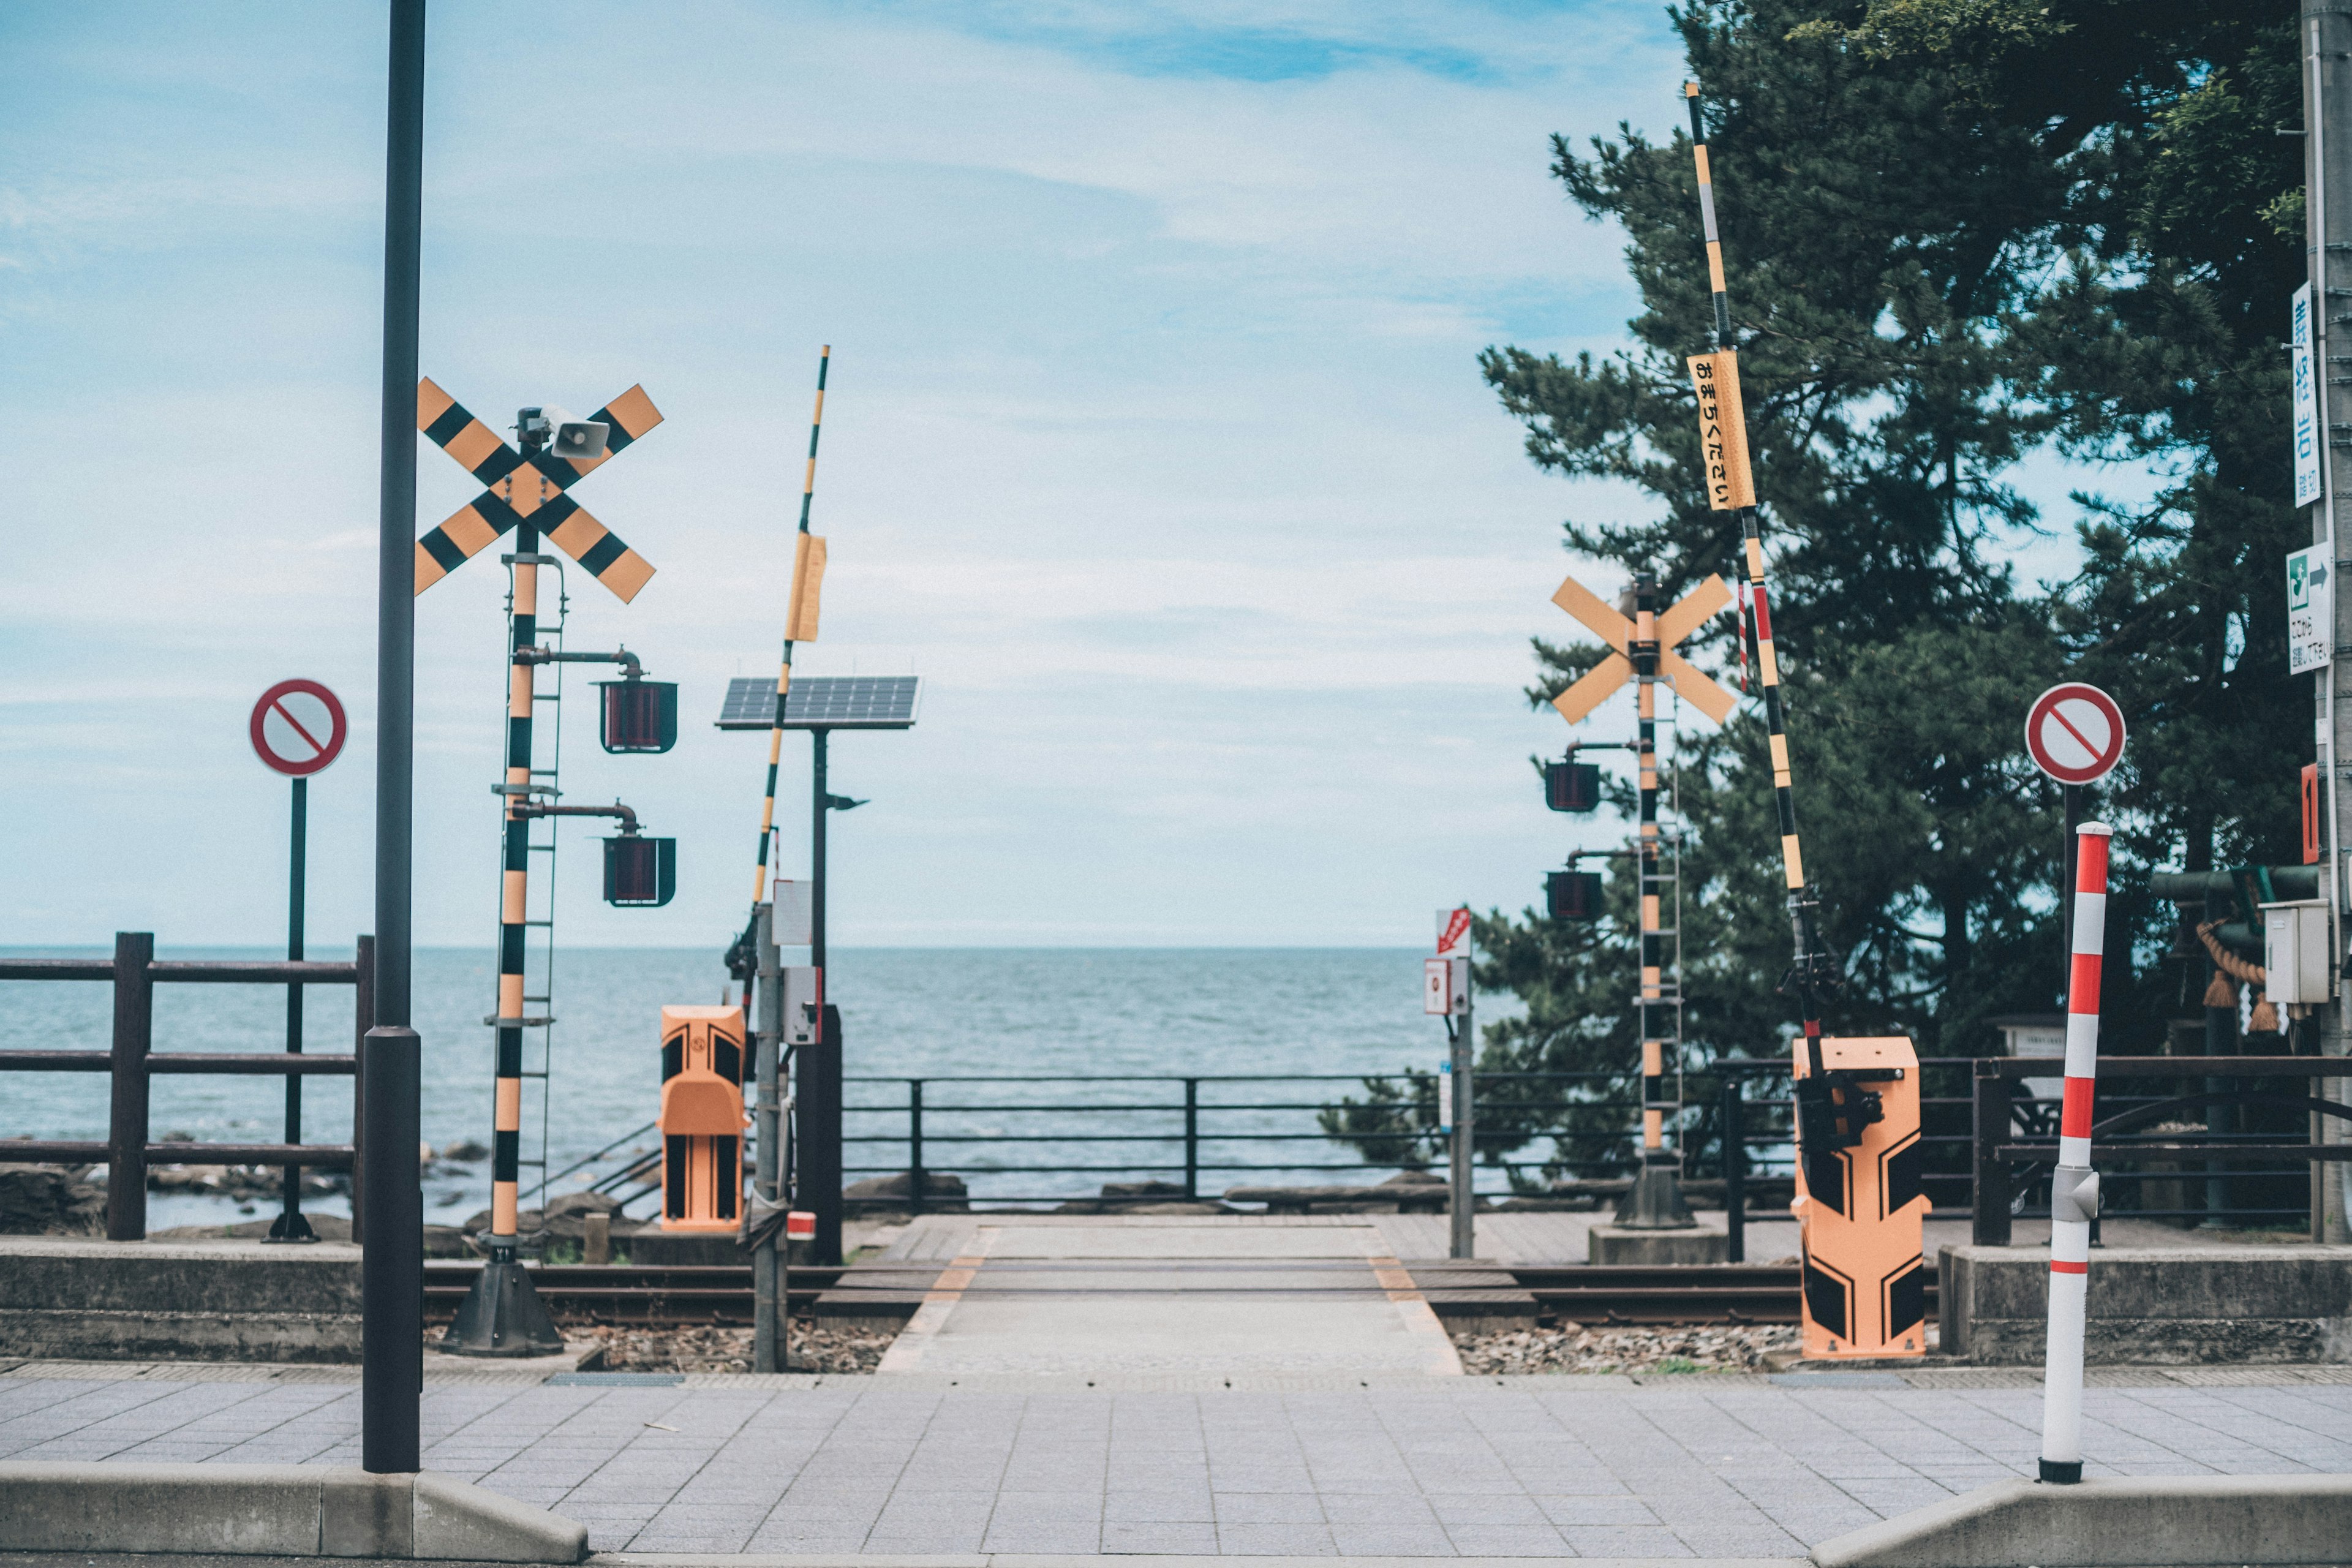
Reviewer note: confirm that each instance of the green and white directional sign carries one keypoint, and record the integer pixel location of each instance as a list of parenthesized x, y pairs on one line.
[(2310, 608)]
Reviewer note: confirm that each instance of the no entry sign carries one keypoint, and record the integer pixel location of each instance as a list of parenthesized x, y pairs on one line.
[(2075, 733), (297, 727)]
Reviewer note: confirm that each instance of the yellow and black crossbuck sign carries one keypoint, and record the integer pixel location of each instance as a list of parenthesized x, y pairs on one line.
[(1691, 683), (532, 485)]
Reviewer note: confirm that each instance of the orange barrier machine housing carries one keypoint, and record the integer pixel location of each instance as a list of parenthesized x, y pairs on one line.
[(1859, 1211), (702, 1118)]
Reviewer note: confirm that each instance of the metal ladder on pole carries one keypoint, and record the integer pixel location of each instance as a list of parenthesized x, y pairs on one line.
[(538, 916), (1674, 986)]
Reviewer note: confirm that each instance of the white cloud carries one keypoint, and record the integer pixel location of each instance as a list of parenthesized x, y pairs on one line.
[(1156, 442)]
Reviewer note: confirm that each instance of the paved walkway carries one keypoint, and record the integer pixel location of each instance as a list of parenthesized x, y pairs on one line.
[(1401, 1465), (1163, 1294)]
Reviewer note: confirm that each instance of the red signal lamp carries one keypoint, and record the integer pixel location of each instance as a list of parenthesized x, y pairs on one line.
[(639, 715), (640, 873), (1572, 786), (1573, 895)]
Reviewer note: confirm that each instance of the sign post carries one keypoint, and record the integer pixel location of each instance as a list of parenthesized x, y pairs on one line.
[(297, 729), (2075, 733), (1448, 983)]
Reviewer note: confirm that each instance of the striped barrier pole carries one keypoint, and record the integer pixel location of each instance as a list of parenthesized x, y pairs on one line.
[(1731, 487), (800, 564), (2073, 1185)]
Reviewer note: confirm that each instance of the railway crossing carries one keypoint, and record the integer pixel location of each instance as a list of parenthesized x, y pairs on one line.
[(1642, 649), (527, 497)]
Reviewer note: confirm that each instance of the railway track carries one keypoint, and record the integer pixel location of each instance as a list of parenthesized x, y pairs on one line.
[(1730, 1293)]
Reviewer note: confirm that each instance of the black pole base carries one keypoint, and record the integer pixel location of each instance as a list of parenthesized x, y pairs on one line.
[(1656, 1201), (502, 1316), (289, 1226), (2064, 1474)]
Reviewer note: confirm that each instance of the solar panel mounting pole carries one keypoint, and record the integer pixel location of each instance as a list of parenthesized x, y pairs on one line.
[(819, 1121)]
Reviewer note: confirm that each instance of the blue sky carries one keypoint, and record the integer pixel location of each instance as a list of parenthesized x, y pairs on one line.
[(1155, 443)]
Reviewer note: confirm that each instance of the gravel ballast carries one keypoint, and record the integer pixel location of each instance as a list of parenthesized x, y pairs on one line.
[(709, 1349), (1572, 1347)]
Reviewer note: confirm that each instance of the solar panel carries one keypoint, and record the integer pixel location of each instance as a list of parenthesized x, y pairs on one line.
[(823, 702)]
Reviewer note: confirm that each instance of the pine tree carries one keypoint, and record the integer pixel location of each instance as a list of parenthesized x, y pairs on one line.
[(1957, 231)]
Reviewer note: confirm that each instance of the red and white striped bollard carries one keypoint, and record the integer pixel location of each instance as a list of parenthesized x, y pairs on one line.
[(2073, 1185)]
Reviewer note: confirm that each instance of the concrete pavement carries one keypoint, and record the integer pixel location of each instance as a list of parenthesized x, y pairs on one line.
[(1400, 1465), (1166, 1294)]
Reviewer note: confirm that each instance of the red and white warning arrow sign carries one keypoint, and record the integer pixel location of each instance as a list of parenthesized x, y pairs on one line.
[(2075, 733), (297, 727), (1454, 933)]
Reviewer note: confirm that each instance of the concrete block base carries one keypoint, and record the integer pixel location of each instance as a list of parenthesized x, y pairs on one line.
[(2154, 1522), (1656, 1248), (2175, 1306), (577, 1355), (87, 1299), (272, 1510)]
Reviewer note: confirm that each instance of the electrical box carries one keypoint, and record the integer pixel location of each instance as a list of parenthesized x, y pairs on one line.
[(1859, 1212), (2295, 951), (791, 917), (804, 1003), (701, 1118), (1445, 986)]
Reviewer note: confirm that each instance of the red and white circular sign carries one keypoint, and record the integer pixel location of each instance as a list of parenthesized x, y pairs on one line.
[(2075, 733), (298, 727)]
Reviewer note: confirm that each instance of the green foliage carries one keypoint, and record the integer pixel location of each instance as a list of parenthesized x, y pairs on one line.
[(1957, 232)]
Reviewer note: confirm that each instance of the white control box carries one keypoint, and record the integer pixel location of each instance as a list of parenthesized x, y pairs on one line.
[(2296, 962), (803, 997), (1444, 985)]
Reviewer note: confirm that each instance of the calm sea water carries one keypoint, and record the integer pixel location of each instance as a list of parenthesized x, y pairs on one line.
[(1062, 1013)]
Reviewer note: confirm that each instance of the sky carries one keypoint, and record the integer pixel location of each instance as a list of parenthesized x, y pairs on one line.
[(1154, 443)]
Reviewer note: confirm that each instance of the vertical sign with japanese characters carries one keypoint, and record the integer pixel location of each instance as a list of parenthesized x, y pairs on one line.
[(1722, 431), (2308, 438)]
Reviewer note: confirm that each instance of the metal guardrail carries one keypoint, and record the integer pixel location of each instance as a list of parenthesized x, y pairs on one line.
[(1999, 1153), (133, 1060), (1195, 1140)]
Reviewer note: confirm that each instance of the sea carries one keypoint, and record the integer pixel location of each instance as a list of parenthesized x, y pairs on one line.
[(1045, 1072)]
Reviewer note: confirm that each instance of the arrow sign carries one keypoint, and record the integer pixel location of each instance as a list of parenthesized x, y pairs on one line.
[(1454, 933), (2075, 733), (297, 727)]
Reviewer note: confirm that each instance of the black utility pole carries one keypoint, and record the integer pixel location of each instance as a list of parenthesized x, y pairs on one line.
[(2324, 35), (392, 1268), (818, 1121)]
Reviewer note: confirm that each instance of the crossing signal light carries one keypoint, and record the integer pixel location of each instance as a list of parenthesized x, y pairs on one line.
[(1572, 786), (1572, 895), (639, 715), (640, 873)]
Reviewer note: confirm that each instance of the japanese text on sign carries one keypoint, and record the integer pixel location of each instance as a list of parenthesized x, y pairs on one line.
[(1722, 431), (2310, 608), (2306, 402)]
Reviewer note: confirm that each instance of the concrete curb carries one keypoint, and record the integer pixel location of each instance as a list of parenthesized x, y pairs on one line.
[(272, 1510), (2142, 1522)]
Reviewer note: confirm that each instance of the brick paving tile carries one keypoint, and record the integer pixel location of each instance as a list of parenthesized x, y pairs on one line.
[(1395, 1540), (1170, 1537), (1277, 1540)]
